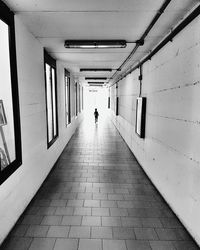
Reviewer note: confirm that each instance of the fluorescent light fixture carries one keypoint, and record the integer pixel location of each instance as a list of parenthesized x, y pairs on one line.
[(94, 85), (95, 78), (95, 69), (94, 44), (95, 82)]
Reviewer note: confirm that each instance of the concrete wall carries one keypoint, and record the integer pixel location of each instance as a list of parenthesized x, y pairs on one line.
[(170, 153), (18, 190)]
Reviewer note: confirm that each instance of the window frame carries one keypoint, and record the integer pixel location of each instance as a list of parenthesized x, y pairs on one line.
[(52, 63), (7, 17), (76, 99), (68, 97), (117, 106), (79, 98), (82, 98)]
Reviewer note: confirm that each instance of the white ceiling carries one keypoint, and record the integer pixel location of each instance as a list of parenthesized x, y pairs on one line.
[(52, 22)]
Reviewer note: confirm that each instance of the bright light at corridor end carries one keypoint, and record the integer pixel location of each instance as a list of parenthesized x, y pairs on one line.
[(94, 44), (95, 97)]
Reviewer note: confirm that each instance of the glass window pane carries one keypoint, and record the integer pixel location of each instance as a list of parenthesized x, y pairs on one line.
[(7, 134), (66, 99), (49, 102), (79, 97), (69, 101), (54, 101), (82, 97), (76, 104)]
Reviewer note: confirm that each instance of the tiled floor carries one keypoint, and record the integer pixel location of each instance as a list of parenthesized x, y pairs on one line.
[(98, 198)]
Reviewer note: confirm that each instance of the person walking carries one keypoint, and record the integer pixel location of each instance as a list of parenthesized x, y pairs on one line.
[(96, 115)]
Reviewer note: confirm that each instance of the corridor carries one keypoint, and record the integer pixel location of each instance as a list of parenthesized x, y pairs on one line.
[(97, 197)]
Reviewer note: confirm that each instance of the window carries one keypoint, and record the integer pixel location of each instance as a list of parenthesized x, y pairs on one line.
[(76, 99), (82, 98), (117, 105), (10, 133), (67, 98), (51, 99), (79, 98)]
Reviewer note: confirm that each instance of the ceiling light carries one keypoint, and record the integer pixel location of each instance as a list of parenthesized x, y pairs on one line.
[(94, 85), (94, 44), (95, 78), (95, 82), (95, 69)]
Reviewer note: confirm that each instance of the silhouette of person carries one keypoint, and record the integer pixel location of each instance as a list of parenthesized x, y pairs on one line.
[(96, 114)]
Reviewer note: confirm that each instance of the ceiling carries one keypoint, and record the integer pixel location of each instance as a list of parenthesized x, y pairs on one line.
[(52, 22)]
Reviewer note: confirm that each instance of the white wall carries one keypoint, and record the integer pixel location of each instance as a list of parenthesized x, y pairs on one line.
[(170, 153), (18, 190)]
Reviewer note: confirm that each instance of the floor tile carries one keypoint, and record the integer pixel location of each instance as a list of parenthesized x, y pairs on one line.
[(100, 211), (123, 233), (111, 221), (79, 232), (64, 211), (46, 211), (65, 244), (42, 244), (151, 222), (86, 244), (75, 203), (169, 234), (84, 196), (37, 231), (118, 212), (32, 219), (145, 234), (82, 211), (51, 220), (58, 203), (91, 221), (105, 203), (114, 244), (162, 245), (92, 203), (131, 222), (42, 202), (58, 231), (99, 196), (102, 232), (71, 220), (138, 245), (171, 223), (66, 195)]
